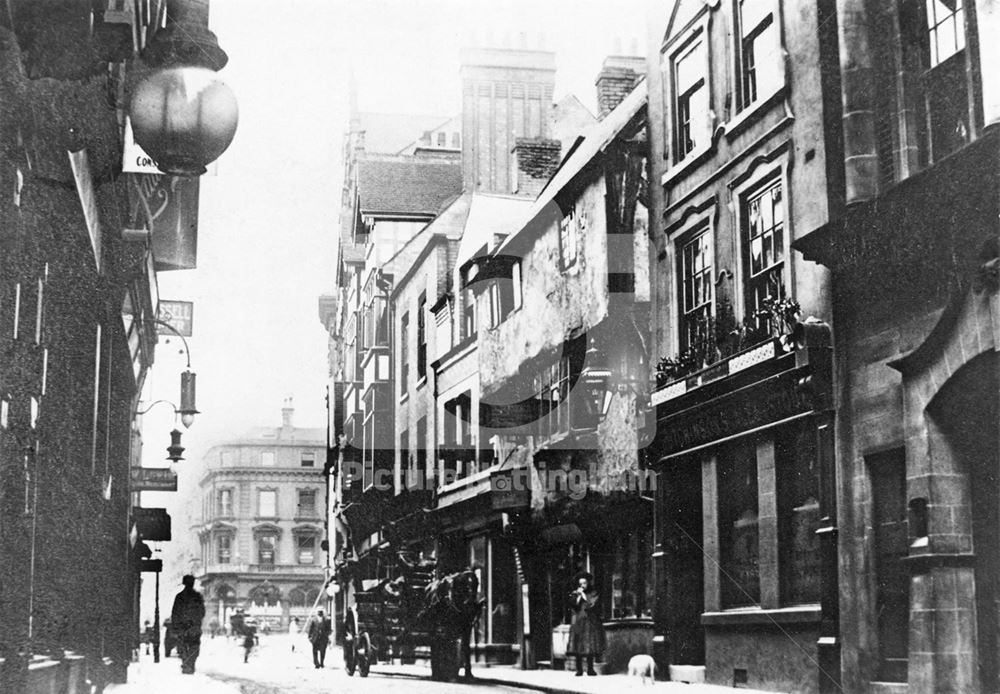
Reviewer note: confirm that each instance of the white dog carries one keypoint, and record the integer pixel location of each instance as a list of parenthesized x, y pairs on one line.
[(642, 665)]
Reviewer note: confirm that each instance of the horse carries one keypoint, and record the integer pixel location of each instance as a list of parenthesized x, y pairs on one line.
[(452, 606)]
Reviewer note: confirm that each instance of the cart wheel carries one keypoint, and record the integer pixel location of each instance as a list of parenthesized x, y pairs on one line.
[(363, 654), (350, 660)]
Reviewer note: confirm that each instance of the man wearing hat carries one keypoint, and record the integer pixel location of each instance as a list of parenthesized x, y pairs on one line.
[(586, 632), (185, 620), (319, 636)]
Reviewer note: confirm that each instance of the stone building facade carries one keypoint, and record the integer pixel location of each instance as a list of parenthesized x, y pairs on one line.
[(261, 526), (913, 256), (741, 166)]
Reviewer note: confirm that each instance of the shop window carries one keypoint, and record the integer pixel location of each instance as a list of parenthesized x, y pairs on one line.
[(225, 503), (307, 502), (695, 275), (267, 503), (306, 548), (631, 581), (692, 128), (760, 60), (266, 550), (224, 548), (739, 548), (798, 515), (478, 563), (763, 220)]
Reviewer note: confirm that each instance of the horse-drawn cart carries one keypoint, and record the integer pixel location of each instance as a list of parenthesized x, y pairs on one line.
[(416, 609)]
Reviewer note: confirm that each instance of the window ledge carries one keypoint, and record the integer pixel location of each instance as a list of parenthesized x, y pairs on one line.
[(752, 112), (691, 159), (800, 614)]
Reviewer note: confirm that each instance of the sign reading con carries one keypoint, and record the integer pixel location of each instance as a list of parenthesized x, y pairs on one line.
[(153, 479), (178, 314)]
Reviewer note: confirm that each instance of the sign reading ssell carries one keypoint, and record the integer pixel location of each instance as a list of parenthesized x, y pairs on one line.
[(178, 314), (153, 479)]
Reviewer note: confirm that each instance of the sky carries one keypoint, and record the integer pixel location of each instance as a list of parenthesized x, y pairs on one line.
[(268, 218)]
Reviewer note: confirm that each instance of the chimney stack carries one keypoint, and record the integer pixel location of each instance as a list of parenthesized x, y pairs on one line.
[(506, 95), (286, 414), (536, 160), (618, 75)]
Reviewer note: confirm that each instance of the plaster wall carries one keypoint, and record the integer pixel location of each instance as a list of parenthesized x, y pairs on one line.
[(555, 302)]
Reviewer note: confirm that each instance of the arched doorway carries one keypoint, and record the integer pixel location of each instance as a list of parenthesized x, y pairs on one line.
[(965, 411)]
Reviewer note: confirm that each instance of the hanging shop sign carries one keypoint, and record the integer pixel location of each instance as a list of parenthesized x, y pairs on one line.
[(178, 314), (153, 479)]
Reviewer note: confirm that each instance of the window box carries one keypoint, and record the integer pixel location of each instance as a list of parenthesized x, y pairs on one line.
[(668, 389)]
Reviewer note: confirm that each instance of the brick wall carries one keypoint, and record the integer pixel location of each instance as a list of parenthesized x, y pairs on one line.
[(616, 79), (536, 160)]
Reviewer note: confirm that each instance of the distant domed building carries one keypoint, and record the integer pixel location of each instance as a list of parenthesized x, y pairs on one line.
[(262, 524)]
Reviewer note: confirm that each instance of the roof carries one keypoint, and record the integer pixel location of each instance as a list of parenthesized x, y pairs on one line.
[(490, 215), (448, 224), (588, 147), (407, 185), (391, 133)]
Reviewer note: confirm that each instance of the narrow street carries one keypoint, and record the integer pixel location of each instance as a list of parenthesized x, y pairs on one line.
[(275, 668)]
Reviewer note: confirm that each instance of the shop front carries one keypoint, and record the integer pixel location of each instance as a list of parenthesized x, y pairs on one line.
[(744, 504)]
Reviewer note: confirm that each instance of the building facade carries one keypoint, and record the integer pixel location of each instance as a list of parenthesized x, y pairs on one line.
[(79, 257), (913, 255), (261, 526), (742, 165)]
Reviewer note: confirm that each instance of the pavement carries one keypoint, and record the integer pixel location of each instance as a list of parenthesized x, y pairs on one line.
[(221, 659)]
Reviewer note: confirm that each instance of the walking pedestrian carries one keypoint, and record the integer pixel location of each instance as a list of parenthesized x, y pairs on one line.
[(319, 637), (586, 632), (186, 617), (249, 639)]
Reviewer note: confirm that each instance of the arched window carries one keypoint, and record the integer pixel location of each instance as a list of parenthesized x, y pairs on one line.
[(265, 594), (225, 593), (297, 597)]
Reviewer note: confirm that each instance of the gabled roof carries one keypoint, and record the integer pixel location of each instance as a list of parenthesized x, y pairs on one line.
[(406, 185), (390, 133)]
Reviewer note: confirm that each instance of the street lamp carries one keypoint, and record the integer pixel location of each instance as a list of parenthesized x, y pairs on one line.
[(595, 379), (182, 114)]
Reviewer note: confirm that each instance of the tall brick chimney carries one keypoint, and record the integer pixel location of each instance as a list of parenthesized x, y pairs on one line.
[(506, 94), (287, 411), (536, 159), (618, 75)]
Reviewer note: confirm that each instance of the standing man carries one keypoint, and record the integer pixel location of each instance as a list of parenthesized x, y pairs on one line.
[(319, 637), (185, 619)]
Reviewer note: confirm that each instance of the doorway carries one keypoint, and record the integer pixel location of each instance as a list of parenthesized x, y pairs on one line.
[(685, 568), (892, 579), (966, 410)]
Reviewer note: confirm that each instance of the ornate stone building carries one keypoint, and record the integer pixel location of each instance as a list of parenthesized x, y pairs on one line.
[(261, 525)]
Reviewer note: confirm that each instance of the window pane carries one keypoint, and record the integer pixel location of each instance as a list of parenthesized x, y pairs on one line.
[(268, 503), (690, 67), (768, 61), (738, 532), (798, 515)]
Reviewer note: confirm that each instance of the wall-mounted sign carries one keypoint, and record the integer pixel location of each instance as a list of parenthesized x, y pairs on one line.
[(152, 523), (168, 207), (178, 314), (136, 160), (153, 479)]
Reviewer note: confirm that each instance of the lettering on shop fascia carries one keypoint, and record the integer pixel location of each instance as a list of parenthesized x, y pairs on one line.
[(769, 401)]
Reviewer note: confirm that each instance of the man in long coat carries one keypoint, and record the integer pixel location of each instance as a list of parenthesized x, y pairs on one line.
[(319, 637), (185, 619)]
